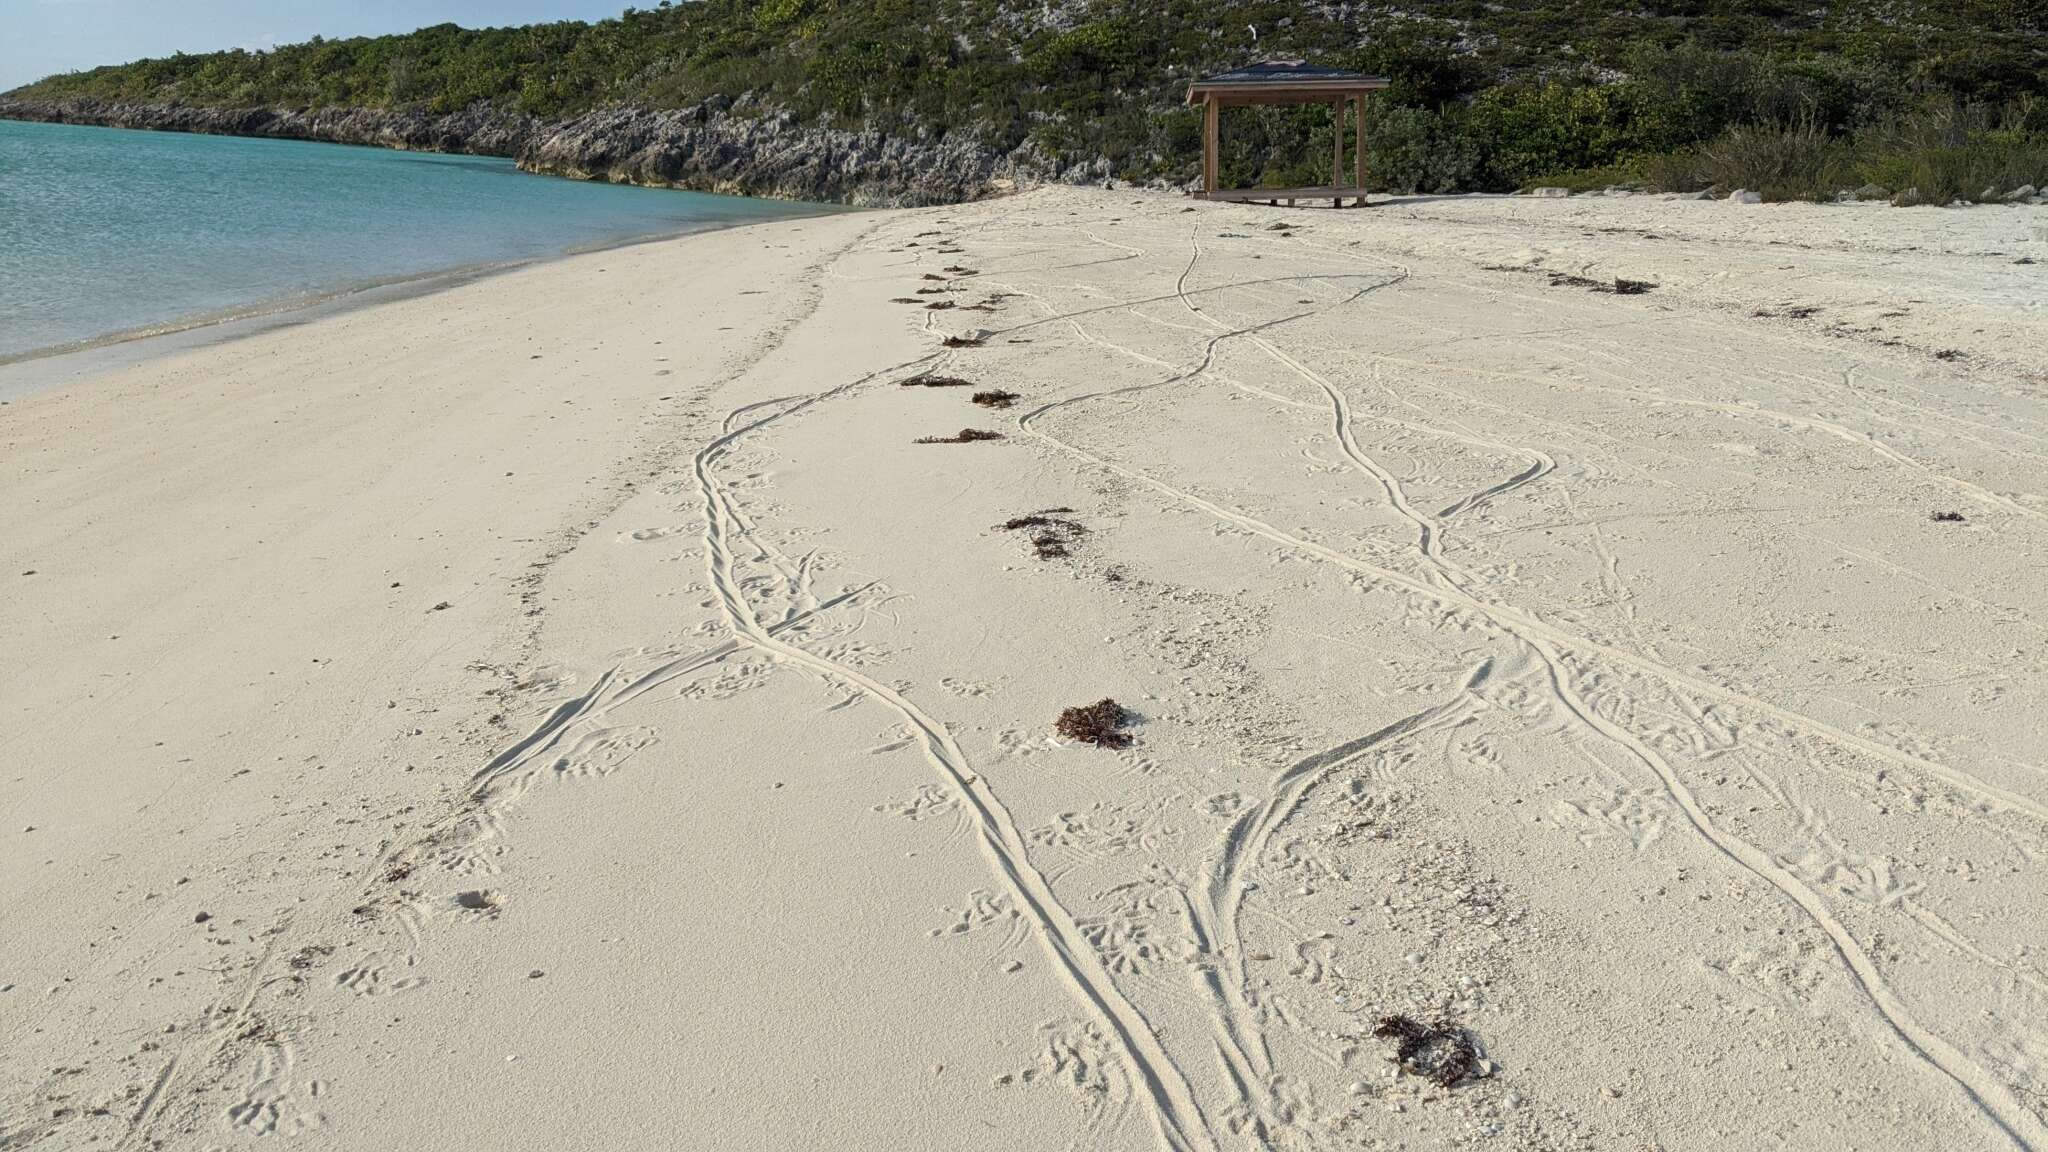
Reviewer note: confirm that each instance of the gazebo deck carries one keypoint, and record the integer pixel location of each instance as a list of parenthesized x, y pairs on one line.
[(1275, 195)]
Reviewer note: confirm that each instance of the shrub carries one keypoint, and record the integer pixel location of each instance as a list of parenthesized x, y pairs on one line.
[(1944, 153), (1951, 152), (1417, 150), (1549, 128), (1786, 161), (1483, 96)]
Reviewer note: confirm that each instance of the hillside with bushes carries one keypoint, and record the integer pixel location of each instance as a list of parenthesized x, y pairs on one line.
[(1950, 96)]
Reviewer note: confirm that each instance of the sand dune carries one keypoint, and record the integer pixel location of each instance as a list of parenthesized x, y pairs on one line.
[(575, 710)]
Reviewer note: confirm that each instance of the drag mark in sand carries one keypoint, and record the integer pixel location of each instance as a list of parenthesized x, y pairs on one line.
[(1215, 904), (1175, 1116), (1503, 615), (1451, 586)]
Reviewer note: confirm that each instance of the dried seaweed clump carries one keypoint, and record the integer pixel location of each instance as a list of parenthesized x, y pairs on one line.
[(1946, 517), (964, 341), (964, 436), (927, 380), (1619, 286), (995, 398), (1100, 724), (1441, 1052), (1052, 535)]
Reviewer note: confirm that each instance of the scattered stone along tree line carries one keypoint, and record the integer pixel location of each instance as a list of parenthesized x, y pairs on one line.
[(1798, 99)]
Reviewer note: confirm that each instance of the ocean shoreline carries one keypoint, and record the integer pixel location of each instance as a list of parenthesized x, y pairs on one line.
[(24, 373), (26, 370)]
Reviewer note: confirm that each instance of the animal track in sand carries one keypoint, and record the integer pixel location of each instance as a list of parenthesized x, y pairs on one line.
[(1136, 765), (603, 751), (1789, 971), (984, 909), (1016, 742), (1225, 805), (856, 653), (1634, 815), (270, 1105), (1075, 1056), (1316, 961), (1102, 829), (478, 903), (929, 800), (1128, 947), (728, 681), (547, 679), (1822, 861), (965, 688), (894, 741), (476, 859), (647, 534), (371, 976), (2021, 1056)]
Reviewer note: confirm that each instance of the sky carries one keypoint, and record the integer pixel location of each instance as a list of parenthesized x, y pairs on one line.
[(40, 37)]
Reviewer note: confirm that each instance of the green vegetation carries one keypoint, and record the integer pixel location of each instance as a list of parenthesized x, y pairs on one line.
[(1488, 94)]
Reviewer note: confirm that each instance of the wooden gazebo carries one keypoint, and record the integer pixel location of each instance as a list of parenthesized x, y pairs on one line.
[(1285, 82)]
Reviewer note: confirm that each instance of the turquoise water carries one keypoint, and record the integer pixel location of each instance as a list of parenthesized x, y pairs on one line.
[(104, 231)]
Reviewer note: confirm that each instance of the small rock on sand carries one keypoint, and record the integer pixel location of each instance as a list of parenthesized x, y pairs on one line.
[(1551, 193), (1745, 196)]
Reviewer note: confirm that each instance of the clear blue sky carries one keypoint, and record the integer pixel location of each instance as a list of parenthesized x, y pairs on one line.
[(39, 37)]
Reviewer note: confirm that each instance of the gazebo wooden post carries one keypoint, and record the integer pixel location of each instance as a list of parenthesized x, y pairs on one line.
[(1359, 159), (1337, 156), (1210, 144)]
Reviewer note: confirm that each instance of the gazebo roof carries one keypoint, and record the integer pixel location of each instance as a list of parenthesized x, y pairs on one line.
[(1283, 82)]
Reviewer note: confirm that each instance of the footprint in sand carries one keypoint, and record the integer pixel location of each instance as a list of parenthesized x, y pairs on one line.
[(1632, 815), (646, 534), (272, 1106), (477, 903), (603, 752), (901, 741), (371, 976), (1226, 805), (929, 800), (984, 909), (472, 859), (1079, 1058), (1016, 742), (728, 682)]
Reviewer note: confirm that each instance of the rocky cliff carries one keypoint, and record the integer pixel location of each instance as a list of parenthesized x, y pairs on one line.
[(481, 130), (709, 147)]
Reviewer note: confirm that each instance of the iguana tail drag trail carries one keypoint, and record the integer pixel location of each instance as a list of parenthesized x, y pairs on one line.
[(602, 704)]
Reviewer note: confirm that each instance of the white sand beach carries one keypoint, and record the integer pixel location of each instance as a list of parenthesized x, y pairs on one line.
[(572, 711)]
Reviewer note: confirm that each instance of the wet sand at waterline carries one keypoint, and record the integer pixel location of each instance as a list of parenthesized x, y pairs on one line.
[(600, 706)]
